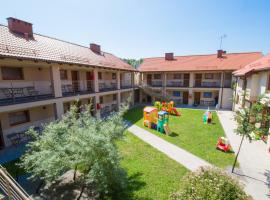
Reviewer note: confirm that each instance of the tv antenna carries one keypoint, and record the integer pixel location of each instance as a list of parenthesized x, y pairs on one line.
[(221, 39)]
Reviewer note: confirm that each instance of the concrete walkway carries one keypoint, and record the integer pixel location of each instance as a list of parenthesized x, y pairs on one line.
[(254, 160), (181, 156)]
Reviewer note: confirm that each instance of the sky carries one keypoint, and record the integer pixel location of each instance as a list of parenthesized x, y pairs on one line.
[(149, 28)]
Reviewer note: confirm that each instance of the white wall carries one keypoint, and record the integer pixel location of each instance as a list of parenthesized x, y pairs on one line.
[(227, 98)]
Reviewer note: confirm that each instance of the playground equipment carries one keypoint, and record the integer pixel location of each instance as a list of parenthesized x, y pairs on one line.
[(223, 144), (150, 117), (168, 107), (207, 117), (156, 120)]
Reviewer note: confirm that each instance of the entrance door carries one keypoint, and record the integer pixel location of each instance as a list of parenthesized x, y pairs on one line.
[(89, 79), (186, 80), (137, 96), (75, 83), (197, 98), (198, 80), (185, 97), (149, 99), (149, 79), (2, 143)]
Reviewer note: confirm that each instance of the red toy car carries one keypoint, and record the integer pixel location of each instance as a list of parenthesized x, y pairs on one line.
[(223, 144)]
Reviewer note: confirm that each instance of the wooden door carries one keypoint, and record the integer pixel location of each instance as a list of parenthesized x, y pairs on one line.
[(185, 97), (2, 142), (197, 98), (198, 80), (149, 79), (89, 81), (75, 81), (186, 80)]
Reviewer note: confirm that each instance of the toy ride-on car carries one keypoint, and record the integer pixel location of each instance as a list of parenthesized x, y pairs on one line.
[(223, 144)]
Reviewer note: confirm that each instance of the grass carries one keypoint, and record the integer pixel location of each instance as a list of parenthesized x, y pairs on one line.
[(152, 175), (188, 132)]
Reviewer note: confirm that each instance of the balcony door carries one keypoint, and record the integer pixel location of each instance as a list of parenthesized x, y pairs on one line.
[(149, 79), (197, 98), (75, 80), (89, 79), (185, 97), (2, 143), (186, 80), (198, 80)]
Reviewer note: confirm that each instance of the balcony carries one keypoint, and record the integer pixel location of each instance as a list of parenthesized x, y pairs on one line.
[(125, 84), (155, 83), (178, 83), (107, 108), (15, 92), (107, 85), (77, 87), (207, 84)]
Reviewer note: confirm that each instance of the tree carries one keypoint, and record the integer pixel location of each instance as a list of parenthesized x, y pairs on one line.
[(253, 121), (133, 62), (211, 184), (79, 141)]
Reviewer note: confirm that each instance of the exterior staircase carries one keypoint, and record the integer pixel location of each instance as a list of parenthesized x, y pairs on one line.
[(157, 93), (11, 189)]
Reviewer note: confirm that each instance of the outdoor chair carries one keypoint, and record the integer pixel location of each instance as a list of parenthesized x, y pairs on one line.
[(7, 92)]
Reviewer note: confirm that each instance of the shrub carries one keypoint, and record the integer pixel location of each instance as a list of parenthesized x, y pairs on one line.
[(211, 184)]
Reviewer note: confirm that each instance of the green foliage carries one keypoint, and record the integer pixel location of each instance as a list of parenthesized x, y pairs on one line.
[(210, 184), (244, 127), (133, 62), (79, 141)]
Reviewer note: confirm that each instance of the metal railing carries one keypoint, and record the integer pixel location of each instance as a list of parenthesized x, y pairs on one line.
[(125, 84), (20, 91), (207, 84), (10, 187), (77, 87), (107, 85), (178, 83)]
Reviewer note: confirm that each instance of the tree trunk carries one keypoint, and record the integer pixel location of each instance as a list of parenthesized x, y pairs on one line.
[(75, 172), (235, 160), (39, 186), (82, 189)]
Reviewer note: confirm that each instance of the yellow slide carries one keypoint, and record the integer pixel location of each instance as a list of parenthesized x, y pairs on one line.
[(167, 129)]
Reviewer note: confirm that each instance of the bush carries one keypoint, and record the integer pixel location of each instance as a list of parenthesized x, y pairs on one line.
[(211, 184)]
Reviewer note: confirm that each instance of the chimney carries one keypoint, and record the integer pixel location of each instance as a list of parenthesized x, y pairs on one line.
[(220, 53), (169, 56), (95, 48), (20, 27)]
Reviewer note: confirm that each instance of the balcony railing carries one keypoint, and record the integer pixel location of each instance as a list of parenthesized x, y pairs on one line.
[(207, 84), (207, 103), (155, 83), (15, 92), (178, 83), (107, 85), (77, 87), (227, 83), (126, 84), (107, 108)]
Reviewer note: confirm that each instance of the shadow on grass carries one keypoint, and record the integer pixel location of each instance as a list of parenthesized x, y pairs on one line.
[(134, 114), (134, 184), (173, 134)]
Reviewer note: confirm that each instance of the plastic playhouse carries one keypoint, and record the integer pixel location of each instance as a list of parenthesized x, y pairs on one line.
[(156, 120), (223, 144), (168, 107), (207, 117)]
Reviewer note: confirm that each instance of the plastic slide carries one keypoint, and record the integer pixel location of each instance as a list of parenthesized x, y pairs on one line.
[(175, 112), (167, 129)]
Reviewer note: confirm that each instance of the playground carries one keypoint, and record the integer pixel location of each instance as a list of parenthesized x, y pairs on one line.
[(197, 131)]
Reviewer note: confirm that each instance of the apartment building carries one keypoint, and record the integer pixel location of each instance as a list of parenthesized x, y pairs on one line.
[(194, 80), (40, 77), (253, 80)]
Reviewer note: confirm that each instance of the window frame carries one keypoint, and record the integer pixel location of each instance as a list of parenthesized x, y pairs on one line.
[(174, 92), (175, 76), (99, 75), (65, 74), (208, 97), (206, 76), (12, 68), (20, 122), (154, 76), (113, 76)]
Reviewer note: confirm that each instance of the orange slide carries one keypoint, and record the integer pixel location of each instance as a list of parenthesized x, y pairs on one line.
[(175, 112)]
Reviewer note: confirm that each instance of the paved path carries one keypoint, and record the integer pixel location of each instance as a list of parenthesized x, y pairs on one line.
[(181, 156), (254, 160)]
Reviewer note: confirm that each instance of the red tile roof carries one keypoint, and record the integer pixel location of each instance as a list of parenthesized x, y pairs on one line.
[(231, 61), (53, 50), (258, 65)]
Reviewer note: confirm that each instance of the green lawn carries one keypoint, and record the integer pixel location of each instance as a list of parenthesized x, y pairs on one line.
[(188, 132), (152, 175)]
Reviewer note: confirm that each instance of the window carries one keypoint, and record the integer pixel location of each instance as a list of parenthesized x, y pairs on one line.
[(100, 99), (157, 76), (207, 95), (99, 75), (176, 93), (209, 76), (12, 73), (176, 76), (113, 76), (63, 74), (20, 117), (268, 85), (114, 97)]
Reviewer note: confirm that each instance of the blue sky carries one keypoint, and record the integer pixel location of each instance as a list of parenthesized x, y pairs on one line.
[(146, 28)]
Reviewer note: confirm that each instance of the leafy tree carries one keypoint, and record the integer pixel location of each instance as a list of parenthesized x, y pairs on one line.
[(133, 62), (81, 142), (210, 184)]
